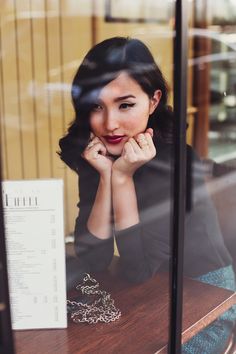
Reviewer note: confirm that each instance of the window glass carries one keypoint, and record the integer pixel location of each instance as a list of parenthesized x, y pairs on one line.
[(116, 159), (211, 172), (118, 190)]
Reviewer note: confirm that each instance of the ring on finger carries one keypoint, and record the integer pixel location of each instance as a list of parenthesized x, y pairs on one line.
[(143, 142)]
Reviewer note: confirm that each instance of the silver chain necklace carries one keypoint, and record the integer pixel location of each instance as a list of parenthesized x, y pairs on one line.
[(99, 306)]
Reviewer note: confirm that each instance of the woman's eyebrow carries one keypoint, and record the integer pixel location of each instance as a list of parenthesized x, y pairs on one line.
[(117, 99)]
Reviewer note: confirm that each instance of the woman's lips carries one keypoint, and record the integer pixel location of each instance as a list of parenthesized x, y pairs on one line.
[(114, 139)]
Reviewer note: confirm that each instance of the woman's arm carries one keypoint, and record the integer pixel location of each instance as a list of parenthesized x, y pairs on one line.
[(137, 152), (93, 230), (94, 251), (124, 201), (131, 233), (99, 221), (145, 247)]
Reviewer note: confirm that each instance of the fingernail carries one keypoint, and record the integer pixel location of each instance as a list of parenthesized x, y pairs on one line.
[(150, 131)]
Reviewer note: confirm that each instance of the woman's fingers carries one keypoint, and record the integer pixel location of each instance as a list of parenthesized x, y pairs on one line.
[(135, 145), (94, 148), (142, 141), (95, 154), (150, 142), (150, 131), (143, 145), (92, 135), (92, 141), (98, 149), (129, 153)]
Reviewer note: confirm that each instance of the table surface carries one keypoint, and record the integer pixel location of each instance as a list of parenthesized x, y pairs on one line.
[(144, 323)]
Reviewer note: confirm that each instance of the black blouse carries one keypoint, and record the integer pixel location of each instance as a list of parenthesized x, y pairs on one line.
[(145, 248)]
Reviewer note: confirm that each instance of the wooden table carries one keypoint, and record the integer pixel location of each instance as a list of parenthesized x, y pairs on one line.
[(144, 324)]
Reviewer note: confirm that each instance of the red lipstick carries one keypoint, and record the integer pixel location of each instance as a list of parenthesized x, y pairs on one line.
[(114, 139)]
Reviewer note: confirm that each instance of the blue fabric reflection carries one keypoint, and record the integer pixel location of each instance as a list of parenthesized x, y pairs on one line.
[(213, 339)]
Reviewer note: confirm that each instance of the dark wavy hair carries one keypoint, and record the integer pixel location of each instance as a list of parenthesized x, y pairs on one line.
[(102, 64)]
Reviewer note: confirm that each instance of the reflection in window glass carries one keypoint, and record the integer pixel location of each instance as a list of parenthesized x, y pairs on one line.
[(122, 118), (119, 148), (213, 179)]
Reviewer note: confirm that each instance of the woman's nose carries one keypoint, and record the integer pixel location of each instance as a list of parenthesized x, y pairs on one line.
[(111, 121)]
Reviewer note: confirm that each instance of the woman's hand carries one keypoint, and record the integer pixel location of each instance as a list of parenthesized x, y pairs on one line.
[(137, 151), (96, 155)]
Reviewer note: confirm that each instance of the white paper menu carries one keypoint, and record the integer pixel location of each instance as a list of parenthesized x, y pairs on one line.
[(34, 227)]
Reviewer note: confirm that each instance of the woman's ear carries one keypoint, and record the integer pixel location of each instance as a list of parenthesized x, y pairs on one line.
[(155, 101)]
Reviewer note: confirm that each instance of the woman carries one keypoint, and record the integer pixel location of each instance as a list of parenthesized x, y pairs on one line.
[(120, 144)]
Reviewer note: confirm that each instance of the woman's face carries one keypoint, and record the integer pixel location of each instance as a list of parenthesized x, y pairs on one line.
[(122, 111)]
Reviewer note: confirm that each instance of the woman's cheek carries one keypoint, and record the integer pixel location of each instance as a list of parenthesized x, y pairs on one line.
[(95, 123), (130, 125), (137, 123)]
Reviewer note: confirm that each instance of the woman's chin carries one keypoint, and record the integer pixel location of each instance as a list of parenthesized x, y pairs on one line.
[(114, 150)]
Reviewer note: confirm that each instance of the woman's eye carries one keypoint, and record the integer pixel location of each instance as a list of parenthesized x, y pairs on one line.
[(126, 105), (96, 107)]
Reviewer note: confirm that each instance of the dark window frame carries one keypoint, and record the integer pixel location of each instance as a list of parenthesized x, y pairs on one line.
[(179, 175)]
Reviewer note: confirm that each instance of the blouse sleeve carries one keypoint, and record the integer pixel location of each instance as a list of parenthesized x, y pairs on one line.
[(94, 253), (144, 248)]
